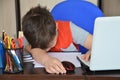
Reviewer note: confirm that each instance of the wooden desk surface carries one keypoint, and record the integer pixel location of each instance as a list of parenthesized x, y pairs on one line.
[(31, 73)]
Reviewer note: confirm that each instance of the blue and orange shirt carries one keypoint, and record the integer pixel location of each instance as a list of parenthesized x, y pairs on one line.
[(64, 36)]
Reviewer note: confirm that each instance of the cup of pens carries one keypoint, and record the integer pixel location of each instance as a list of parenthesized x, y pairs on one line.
[(13, 54), (13, 60)]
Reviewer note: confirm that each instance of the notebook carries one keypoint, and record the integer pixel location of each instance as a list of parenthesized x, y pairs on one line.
[(62, 56), (105, 54)]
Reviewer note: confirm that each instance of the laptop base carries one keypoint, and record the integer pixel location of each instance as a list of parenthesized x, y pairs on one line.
[(87, 71)]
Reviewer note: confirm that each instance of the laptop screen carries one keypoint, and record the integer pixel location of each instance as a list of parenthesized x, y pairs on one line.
[(105, 53)]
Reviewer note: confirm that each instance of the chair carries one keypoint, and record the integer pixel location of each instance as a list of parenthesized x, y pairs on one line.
[(80, 12)]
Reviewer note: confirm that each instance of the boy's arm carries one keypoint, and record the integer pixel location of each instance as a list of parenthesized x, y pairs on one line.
[(52, 65), (79, 35), (88, 45), (82, 37), (88, 42)]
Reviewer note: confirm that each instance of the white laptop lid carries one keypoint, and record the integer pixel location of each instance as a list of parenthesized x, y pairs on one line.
[(105, 54)]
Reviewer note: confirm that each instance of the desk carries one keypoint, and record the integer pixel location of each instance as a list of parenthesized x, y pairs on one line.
[(31, 73), (103, 75)]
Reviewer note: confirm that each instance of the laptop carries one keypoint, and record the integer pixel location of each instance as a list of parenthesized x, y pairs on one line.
[(105, 54)]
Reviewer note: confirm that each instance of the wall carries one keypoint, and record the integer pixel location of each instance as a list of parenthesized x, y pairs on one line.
[(49, 3), (7, 17), (25, 6), (93, 1), (111, 7)]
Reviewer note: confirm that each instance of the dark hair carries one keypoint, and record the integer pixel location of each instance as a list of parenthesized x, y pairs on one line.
[(39, 27)]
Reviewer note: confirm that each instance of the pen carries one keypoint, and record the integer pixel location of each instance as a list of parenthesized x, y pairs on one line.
[(16, 59), (20, 41)]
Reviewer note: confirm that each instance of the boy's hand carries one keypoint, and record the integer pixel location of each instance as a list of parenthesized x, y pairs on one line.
[(86, 56), (53, 65)]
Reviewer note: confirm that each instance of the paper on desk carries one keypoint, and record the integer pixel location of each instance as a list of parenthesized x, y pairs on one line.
[(27, 57), (63, 56)]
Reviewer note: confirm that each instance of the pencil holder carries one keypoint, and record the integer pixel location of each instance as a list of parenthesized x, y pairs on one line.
[(13, 60)]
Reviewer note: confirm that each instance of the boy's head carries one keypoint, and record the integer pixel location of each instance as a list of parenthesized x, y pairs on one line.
[(39, 27)]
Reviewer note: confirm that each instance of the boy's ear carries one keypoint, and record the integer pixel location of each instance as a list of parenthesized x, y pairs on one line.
[(28, 48), (56, 25)]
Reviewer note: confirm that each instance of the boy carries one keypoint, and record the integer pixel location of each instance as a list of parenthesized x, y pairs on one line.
[(43, 35)]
